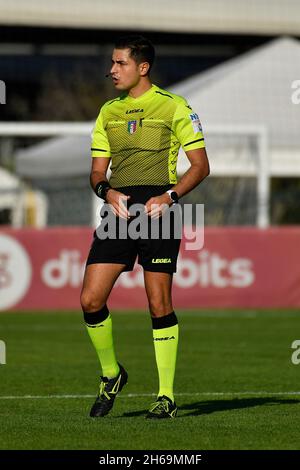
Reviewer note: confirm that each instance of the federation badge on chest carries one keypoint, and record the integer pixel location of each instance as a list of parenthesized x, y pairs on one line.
[(132, 127)]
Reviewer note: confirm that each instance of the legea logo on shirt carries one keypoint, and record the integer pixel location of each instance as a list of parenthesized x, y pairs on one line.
[(196, 122), (132, 111)]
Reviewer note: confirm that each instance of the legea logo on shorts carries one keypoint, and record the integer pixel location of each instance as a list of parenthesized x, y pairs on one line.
[(15, 272)]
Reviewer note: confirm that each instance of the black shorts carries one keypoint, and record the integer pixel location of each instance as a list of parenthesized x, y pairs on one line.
[(156, 253)]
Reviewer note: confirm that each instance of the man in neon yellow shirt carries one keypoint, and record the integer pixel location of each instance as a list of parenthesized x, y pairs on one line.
[(140, 133)]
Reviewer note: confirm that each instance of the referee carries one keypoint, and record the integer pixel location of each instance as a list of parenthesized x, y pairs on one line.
[(140, 133)]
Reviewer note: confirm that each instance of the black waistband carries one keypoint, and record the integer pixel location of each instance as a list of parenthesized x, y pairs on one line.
[(141, 194)]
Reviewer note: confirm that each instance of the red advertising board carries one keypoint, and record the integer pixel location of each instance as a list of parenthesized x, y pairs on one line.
[(236, 267)]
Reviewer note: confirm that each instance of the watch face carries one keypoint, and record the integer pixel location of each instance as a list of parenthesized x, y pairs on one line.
[(174, 196)]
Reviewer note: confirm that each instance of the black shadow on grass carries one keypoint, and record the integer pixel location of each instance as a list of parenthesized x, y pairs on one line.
[(213, 406)]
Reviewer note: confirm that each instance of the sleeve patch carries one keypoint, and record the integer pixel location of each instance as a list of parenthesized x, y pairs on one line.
[(196, 123)]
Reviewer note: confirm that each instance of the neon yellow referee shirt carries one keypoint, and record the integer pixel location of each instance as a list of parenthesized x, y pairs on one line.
[(142, 136)]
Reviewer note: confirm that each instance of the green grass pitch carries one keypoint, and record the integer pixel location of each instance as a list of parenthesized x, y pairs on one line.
[(236, 386)]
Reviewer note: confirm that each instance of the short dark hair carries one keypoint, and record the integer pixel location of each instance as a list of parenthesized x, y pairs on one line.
[(141, 49)]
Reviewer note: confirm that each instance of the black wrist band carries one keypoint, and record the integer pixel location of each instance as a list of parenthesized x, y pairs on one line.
[(101, 189)]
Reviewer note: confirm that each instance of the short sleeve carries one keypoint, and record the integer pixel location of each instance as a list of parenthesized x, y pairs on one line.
[(187, 128), (100, 143)]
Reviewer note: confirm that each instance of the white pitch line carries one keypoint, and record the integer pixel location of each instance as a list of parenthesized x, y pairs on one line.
[(137, 395)]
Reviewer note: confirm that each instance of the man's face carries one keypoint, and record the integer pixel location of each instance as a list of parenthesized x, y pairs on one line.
[(125, 72)]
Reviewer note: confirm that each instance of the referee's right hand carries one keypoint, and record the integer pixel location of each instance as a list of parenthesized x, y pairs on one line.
[(117, 201)]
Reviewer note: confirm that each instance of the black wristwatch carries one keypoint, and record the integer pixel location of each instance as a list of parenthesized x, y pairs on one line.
[(101, 189), (173, 195)]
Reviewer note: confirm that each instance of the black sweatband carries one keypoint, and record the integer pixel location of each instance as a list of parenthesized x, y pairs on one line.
[(94, 318), (164, 322), (101, 189)]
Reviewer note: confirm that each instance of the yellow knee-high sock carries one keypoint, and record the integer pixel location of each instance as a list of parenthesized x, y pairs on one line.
[(99, 327), (165, 338)]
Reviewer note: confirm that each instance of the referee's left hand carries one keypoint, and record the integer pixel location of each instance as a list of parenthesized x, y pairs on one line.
[(155, 207)]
